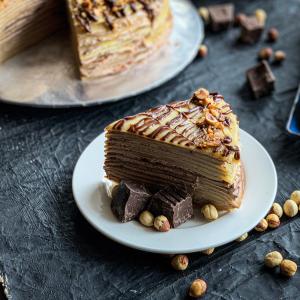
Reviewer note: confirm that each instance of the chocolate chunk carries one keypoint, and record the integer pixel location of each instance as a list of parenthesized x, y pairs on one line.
[(221, 16), (261, 79), (174, 203), (251, 30), (130, 199)]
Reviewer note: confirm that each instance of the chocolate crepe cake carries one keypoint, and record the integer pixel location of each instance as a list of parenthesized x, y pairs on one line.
[(192, 143), (111, 35)]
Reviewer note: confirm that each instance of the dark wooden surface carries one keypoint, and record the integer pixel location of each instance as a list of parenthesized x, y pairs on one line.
[(47, 249)]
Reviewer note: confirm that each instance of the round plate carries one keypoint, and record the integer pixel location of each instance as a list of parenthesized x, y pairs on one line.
[(46, 73), (194, 235)]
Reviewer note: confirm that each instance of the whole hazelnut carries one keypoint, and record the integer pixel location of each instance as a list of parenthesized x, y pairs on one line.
[(242, 237), (290, 208), (161, 223), (201, 94), (202, 51), (209, 212), (296, 196), (197, 288), (204, 14), (239, 19), (279, 56), (146, 218), (208, 251), (265, 53), (273, 259), (273, 34), (276, 209), (273, 220), (180, 262), (288, 268), (262, 225), (261, 16)]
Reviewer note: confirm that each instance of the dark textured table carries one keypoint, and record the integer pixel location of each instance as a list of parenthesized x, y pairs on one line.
[(47, 249)]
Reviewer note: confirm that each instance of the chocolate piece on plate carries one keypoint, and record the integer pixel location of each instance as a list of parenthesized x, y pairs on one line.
[(221, 16), (251, 30), (130, 199), (261, 79), (174, 203)]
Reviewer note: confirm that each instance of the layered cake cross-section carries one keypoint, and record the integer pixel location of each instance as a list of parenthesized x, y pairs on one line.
[(192, 144)]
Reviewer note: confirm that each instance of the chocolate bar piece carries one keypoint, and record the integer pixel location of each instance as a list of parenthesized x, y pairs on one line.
[(174, 203), (261, 79), (251, 30), (130, 199), (221, 16)]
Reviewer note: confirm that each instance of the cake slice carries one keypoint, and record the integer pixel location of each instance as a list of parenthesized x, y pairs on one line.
[(191, 144), (26, 22), (111, 35)]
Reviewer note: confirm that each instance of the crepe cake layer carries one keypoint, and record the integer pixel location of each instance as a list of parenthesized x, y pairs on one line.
[(110, 36), (26, 22), (192, 143)]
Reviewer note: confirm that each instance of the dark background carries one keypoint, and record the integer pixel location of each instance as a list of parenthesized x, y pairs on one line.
[(47, 249)]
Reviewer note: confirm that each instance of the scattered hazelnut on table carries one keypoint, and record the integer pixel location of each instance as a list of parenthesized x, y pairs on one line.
[(239, 18), (208, 251), (197, 288), (276, 209), (279, 56), (204, 14), (288, 268), (273, 220), (209, 212), (202, 51), (146, 218), (261, 16), (242, 237), (265, 53), (273, 259), (290, 208), (161, 223), (180, 262), (273, 34), (262, 226), (295, 195)]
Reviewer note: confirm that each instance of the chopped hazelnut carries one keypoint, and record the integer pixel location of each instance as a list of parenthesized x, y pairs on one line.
[(239, 18), (201, 94), (204, 14), (242, 237), (273, 34), (208, 251), (209, 212), (203, 51), (296, 197), (197, 288), (262, 225), (161, 223), (180, 262), (261, 16), (276, 209), (273, 220), (265, 53), (279, 56), (288, 268), (210, 119), (290, 208), (273, 259), (146, 218)]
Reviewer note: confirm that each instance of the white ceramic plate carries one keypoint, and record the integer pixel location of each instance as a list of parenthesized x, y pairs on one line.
[(196, 234)]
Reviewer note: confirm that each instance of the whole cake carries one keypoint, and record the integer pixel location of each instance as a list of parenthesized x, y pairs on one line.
[(193, 144), (111, 35)]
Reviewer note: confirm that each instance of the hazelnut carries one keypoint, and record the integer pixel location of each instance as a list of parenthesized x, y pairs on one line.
[(288, 268), (265, 53), (161, 223), (202, 51), (146, 218), (261, 16), (262, 225), (273, 34), (273, 220), (239, 19), (290, 208), (204, 14), (279, 56), (197, 288), (180, 262), (276, 209), (273, 259), (208, 251), (209, 212), (242, 237), (201, 94), (296, 196), (210, 119)]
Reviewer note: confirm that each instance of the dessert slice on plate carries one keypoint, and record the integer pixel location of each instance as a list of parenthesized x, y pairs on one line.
[(193, 144)]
